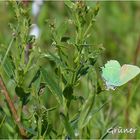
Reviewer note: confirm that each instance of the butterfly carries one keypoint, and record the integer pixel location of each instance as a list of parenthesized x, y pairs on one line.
[(115, 75)]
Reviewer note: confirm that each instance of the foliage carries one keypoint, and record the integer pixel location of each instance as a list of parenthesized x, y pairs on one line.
[(55, 80)]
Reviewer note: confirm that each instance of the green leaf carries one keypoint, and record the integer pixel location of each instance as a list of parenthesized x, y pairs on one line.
[(92, 113), (8, 49), (31, 131), (8, 68), (52, 57), (29, 76), (99, 88), (22, 94), (61, 30), (36, 83), (83, 70), (69, 4), (96, 9), (67, 125), (85, 110), (52, 85), (65, 39), (68, 91), (36, 77), (2, 121)]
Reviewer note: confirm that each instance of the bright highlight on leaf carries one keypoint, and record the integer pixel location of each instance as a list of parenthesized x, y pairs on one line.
[(115, 75)]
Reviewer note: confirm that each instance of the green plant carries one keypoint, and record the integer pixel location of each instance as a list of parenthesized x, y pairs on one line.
[(52, 85)]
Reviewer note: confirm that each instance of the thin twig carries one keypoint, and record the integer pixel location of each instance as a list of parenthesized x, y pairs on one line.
[(13, 109)]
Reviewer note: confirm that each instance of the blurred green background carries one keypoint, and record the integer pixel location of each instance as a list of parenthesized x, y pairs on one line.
[(117, 27)]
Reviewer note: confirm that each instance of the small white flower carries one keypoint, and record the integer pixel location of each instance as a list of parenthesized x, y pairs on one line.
[(35, 30), (39, 2), (36, 7)]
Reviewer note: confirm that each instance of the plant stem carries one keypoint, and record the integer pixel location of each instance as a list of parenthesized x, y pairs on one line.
[(127, 106), (9, 47), (39, 127), (13, 109), (88, 29)]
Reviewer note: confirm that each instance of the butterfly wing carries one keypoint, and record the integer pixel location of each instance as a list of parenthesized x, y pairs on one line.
[(127, 73), (111, 73)]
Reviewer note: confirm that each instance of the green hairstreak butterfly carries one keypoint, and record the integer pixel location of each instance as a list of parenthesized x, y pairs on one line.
[(115, 75)]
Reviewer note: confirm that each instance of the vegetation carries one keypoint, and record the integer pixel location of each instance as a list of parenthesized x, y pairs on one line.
[(51, 84)]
